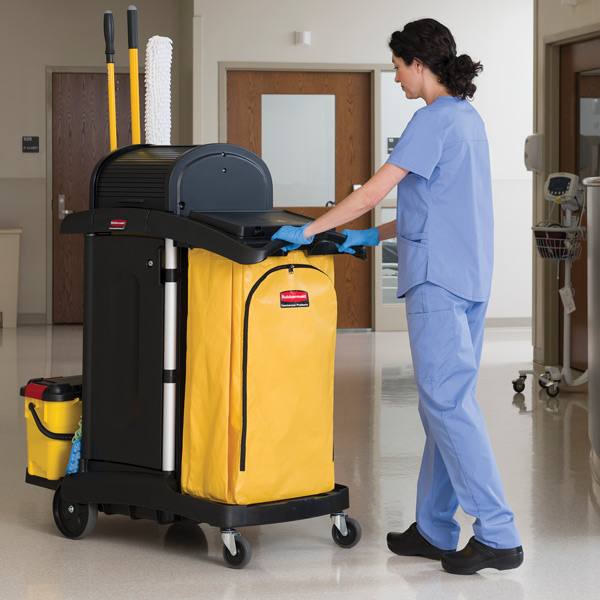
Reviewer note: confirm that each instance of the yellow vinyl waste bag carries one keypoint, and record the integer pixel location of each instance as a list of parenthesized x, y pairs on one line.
[(258, 416)]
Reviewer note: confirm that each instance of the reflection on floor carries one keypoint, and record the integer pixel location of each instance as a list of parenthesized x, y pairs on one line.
[(541, 446)]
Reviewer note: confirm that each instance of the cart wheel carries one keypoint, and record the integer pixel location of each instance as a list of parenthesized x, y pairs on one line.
[(544, 381), (518, 384), (552, 390), (73, 520), (243, 554), (353, 537)]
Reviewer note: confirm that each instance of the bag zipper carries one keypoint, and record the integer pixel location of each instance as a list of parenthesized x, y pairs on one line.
[(291, 268)]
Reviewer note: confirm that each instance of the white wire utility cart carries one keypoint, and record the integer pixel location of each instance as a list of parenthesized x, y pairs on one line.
[(560, 241)]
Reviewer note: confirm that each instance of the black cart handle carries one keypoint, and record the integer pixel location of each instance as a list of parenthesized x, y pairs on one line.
[(190, 232), (340, 238), (67, 437), (326, 236)]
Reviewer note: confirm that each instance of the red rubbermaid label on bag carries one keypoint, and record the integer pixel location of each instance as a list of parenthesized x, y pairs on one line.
[(118, 224), (293, 299)]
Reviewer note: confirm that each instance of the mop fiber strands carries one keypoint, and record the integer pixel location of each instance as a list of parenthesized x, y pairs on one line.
[(159, 52)]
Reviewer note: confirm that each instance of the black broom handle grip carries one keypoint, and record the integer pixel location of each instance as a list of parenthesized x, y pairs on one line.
[(132, 27), (109, 36)]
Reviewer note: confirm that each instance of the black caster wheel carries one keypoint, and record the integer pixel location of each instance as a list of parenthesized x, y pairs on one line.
[(353, 536), (518, 384), (243, 553), (73, 520), (552, 390), (544, 382)]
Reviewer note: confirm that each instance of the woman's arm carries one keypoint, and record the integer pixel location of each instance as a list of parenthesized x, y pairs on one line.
[(387, 230), (360, 202)]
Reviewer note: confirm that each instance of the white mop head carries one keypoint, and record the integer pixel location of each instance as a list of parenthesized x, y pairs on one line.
[(159, 52)]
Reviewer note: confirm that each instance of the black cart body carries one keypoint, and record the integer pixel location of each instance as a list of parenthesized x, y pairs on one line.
[(147, 201)]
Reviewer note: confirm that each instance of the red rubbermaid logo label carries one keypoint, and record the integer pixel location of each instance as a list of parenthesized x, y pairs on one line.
[(293, 299), (118, 224)]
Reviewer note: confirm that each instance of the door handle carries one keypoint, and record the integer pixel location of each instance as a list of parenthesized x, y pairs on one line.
[(332, 202), (62, 211)]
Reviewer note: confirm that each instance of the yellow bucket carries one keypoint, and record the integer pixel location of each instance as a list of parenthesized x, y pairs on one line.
[(52, 412)]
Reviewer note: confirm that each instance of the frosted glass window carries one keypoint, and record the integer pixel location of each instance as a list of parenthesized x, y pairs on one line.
[(298, 145), (589, 137)]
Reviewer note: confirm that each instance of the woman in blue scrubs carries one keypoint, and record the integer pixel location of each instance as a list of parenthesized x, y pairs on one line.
[(444, 231)]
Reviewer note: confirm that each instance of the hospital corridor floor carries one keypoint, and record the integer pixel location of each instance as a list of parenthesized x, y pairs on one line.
[(541, 446)]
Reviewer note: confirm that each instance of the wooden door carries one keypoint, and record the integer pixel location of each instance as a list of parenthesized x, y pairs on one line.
[(574, 60), (80, 138), (353, 156)]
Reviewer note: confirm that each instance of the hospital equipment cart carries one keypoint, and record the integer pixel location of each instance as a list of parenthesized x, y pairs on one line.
[(560, 241)]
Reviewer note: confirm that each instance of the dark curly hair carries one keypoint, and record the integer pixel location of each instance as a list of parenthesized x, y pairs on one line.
[(432, 43)]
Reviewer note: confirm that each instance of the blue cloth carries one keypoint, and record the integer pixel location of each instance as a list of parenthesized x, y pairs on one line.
[(458, 465), (445, 217), (73, 466)]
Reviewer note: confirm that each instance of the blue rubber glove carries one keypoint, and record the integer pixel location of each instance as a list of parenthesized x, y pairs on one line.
[(294, 235), (359, 237)]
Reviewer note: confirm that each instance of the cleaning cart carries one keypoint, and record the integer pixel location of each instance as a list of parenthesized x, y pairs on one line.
[(560, 241), (207, 388)]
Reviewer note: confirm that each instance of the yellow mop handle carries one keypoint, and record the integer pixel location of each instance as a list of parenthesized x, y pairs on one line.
[(134, 82), (109, 37), (135, 96), (112, 107)]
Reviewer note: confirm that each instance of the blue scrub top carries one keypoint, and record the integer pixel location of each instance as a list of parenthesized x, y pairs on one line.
[(445, 224)]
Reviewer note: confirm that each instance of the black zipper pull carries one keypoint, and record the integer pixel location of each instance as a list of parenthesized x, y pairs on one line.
[(291, 269)]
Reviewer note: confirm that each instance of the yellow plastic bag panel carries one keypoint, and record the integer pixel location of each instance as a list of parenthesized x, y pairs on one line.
[(258, 417)]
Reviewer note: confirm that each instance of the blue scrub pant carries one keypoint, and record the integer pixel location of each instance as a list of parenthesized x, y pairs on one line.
[(458, 466)]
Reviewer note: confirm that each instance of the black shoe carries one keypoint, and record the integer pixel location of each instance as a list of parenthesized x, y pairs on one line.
[(476, 555), (412, 543)]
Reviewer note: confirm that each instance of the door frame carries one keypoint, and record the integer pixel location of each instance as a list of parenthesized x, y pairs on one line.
[(49, 181), (546, 313), (384, 317)]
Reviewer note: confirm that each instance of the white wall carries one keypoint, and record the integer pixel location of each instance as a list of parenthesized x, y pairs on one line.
[(499, 34)]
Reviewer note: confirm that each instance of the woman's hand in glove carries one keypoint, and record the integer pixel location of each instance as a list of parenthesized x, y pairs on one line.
[(359, 237), (295, 235)]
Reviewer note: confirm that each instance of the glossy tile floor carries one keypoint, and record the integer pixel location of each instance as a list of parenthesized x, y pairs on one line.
[(541, 446)]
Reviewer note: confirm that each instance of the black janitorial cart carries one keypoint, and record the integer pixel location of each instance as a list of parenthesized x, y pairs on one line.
[(163, 435)]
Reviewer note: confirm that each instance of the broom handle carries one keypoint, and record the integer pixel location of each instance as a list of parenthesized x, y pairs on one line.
[(109, 38), (134, 82)]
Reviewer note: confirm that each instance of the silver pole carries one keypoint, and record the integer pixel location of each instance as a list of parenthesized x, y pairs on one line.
[(170, 359), (593, 291), (567, 315)]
